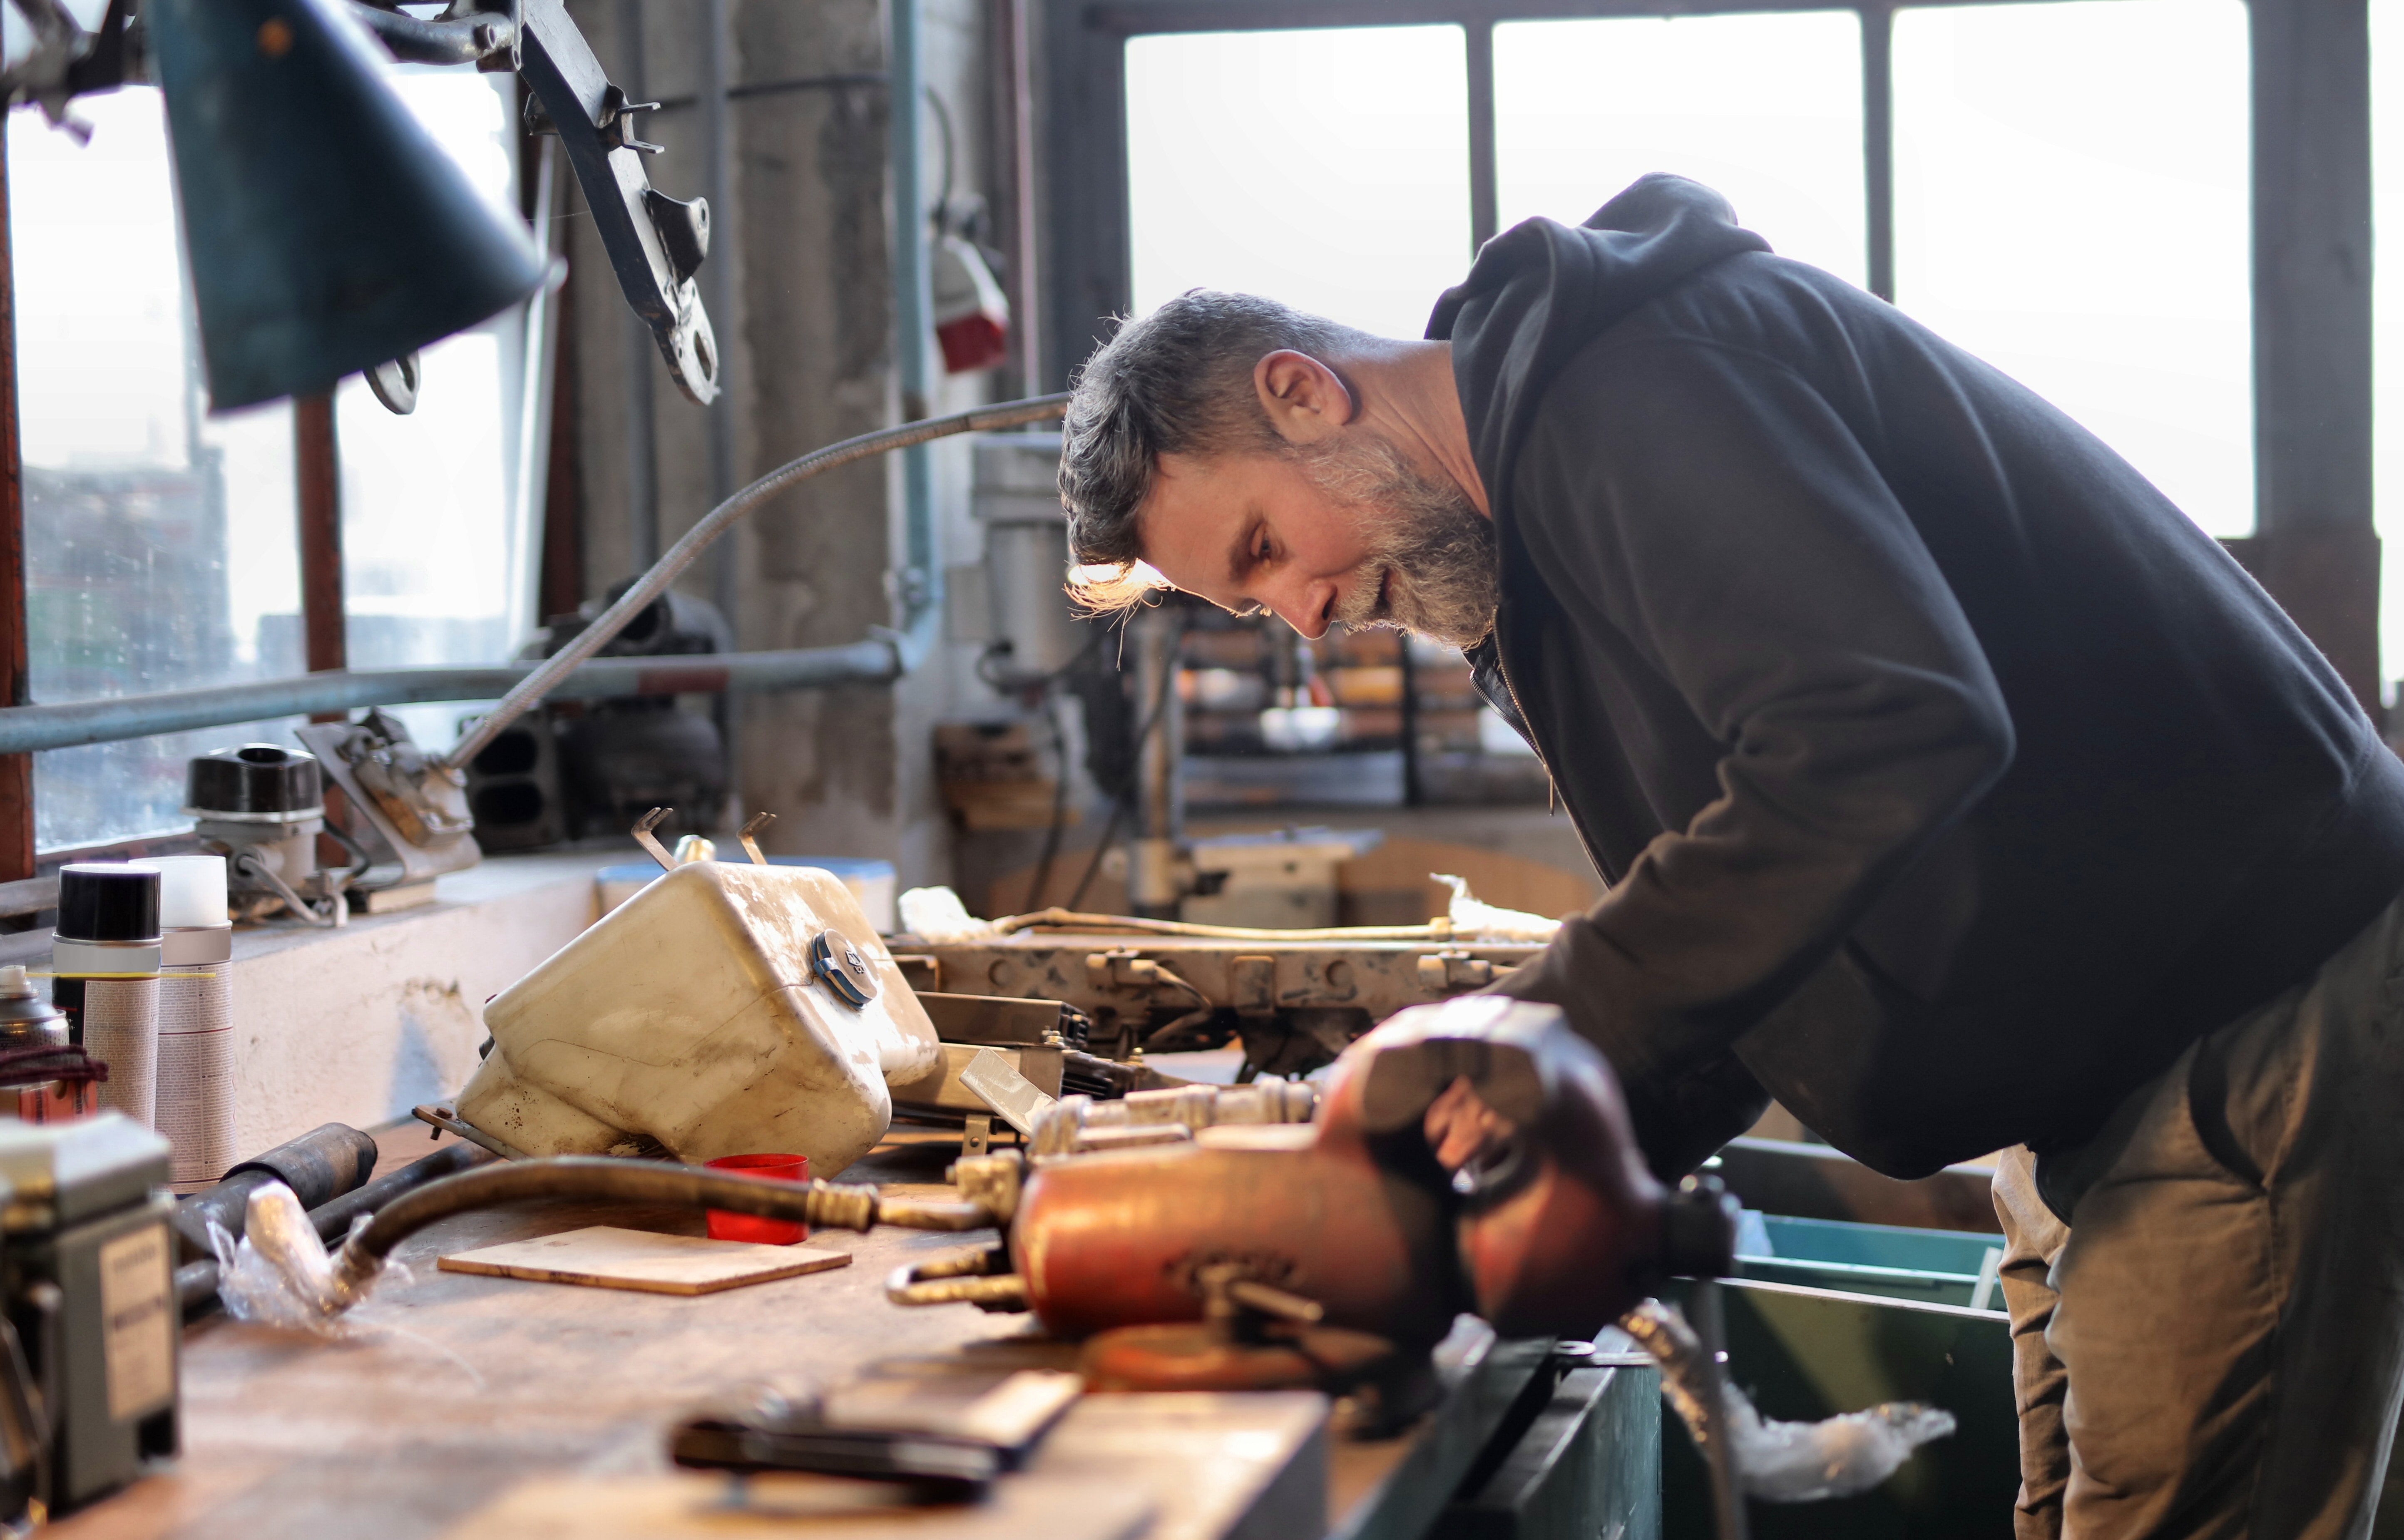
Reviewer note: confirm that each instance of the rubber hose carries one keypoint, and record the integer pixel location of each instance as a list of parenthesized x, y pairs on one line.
[(334, 1220), (319, 1167), (823, 1204)]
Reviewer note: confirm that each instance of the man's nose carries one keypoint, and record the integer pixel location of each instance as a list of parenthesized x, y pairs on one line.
[(1306, 607)]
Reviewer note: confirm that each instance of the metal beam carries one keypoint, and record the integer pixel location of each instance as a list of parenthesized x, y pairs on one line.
[(317, 476), (2317, 550), (1087, 273), (1878, 146), (17, 769), (24, 729), (1485, 198)]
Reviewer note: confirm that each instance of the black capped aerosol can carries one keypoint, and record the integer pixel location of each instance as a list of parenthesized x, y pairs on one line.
[(104, 961), (195, 1097)]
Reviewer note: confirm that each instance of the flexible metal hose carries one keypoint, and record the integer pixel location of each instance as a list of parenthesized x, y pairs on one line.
[(651, 585), (824, 1204)]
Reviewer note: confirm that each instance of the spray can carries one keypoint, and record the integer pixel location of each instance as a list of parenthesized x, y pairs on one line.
[(195, 1095), (30, 1022), (105, 962)]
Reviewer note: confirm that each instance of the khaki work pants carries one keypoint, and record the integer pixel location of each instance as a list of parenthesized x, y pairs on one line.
[(2214, 1347)]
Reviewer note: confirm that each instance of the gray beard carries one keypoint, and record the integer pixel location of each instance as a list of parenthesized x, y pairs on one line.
[(1429, 548)]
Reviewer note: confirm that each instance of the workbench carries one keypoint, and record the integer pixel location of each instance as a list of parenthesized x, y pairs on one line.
[(452, 1391)]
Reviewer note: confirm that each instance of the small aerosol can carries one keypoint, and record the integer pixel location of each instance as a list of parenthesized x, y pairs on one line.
[(104, 961), (33, 1035)]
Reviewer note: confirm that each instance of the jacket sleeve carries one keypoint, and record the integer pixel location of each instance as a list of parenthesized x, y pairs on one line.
[(1712, 509)]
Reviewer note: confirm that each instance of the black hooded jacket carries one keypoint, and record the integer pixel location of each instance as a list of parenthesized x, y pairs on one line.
[(1948, 779)]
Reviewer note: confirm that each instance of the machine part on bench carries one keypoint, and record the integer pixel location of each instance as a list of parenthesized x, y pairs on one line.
[(982, 1278), (262, 807), (1077, 1124), (1294, 1003), (444, 1121), (1254, 1337), (976, 1135), (1000, 1021), (1002, 1087), (407, 810), (990, 1180), (749, 833), (942, 1096), (649, 842)]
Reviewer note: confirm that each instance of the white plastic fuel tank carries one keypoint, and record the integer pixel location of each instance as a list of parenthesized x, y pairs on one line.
[(693, 1017)]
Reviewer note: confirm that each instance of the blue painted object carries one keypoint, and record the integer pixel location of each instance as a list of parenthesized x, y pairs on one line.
[(1932, 1266)]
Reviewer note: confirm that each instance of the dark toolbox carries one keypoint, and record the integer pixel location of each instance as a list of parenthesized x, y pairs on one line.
[(87, 1290)]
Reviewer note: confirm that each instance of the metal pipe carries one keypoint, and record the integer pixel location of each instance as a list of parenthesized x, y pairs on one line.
[(28, 728), (1153, 885), (905, 649), (16, 770), (913, 309)]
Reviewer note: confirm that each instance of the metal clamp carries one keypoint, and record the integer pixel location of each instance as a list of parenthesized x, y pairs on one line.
[(979, 1278)]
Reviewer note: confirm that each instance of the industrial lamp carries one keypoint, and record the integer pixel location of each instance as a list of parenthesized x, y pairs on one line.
[(327, 231)]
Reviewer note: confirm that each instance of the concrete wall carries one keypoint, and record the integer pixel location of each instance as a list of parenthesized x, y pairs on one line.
[(809, 359)]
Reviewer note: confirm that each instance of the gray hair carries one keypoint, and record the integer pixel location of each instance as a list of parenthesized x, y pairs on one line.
[(1176, 381)]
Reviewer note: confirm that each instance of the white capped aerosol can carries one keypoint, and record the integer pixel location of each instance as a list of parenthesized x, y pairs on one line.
[(195, 1095), (104, 961)]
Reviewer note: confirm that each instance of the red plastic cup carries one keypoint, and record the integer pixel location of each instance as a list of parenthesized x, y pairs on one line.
[(764, 1232)]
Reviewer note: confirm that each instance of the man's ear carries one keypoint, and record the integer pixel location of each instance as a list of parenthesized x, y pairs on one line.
[(1306, 400)]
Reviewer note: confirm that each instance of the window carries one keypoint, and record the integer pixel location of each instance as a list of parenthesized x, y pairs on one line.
[(1325, 169), (1767, 109), (161, 542), (134, 500), (2071, 205)]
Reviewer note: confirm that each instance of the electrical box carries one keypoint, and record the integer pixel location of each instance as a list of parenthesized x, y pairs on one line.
[(87, 1274)]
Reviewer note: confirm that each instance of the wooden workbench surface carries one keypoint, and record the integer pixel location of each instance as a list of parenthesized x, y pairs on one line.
[(452, 1389)]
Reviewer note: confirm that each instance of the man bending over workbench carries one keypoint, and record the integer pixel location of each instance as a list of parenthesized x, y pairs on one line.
[(1951, 785)]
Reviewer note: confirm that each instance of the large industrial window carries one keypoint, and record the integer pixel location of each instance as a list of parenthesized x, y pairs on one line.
[(161, 540), (2070, 206), (1327, 169), (1767, 109), (158, 541)]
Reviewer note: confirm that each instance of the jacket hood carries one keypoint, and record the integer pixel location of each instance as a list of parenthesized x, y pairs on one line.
[(1542, 291)]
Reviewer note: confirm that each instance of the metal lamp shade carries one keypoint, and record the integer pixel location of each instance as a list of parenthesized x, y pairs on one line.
[(326, 230)]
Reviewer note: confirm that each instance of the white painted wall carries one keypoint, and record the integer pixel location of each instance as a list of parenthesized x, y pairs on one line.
[(359, 1024)]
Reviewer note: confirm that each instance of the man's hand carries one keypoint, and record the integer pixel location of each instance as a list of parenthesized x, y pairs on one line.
[(1462, 1130)]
